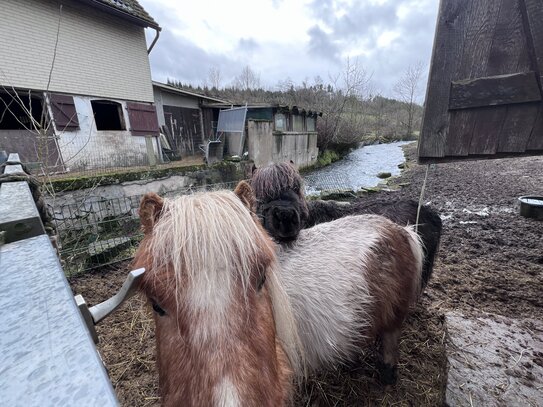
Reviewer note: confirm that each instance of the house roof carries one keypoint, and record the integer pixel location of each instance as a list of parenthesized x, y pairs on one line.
[(128, 9), (173, 89)]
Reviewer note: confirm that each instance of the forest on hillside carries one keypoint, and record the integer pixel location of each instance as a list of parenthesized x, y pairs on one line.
[(353, 111)]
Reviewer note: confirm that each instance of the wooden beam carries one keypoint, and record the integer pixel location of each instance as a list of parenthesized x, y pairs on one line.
[(532, 13), (494, 91), (448, 46), (480, 28)]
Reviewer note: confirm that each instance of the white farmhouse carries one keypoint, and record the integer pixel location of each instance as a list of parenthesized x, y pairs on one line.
[(79, 70)]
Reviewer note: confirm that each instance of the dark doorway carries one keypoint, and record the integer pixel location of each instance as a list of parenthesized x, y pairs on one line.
[(20, 132), (18, 111)]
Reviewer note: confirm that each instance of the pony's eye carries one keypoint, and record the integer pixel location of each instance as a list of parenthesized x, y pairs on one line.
[(158, 310), (261, 282)]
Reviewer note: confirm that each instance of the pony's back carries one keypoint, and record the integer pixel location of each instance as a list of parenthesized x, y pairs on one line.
[(352, 277), (402, 212)]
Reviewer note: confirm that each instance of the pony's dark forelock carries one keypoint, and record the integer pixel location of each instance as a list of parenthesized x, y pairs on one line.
[(268, 182)]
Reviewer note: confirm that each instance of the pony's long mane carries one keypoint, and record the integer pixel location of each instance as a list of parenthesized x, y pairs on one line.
[(269, 181), (210, 241)]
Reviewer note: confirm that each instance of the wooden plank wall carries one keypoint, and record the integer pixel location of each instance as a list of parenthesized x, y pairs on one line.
[(484, 90), (185, 129)]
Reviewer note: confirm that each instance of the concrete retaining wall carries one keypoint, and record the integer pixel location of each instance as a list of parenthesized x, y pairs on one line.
[(220, 173), (266, 146)]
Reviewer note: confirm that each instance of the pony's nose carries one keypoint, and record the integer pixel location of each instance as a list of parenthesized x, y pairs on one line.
[(286, 217)]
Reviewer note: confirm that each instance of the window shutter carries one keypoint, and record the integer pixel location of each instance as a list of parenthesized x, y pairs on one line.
[(143, 119), (64, 112)]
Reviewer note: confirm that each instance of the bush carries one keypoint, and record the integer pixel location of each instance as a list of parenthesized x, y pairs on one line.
[(327, 157)]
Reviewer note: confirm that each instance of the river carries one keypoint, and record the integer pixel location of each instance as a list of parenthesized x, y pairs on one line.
[(358, 169)]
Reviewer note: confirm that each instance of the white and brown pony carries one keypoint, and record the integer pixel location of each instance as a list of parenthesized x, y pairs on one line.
[(284, 211), (237, 317)]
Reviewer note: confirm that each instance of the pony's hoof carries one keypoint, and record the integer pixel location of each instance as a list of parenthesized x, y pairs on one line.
[(388, 374)]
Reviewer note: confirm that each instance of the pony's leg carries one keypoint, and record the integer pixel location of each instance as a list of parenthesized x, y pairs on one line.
[(390, 354)]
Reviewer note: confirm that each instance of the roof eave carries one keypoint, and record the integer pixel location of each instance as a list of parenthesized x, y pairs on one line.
[(142, 22)]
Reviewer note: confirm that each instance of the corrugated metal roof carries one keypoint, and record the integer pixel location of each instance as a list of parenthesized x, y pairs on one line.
[(130, 9), (265, 105)]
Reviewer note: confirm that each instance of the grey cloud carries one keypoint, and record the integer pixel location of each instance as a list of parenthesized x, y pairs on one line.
[(321, 44), (323, 10), (363, 22), (176, 57), (248, 45), (360, 20)]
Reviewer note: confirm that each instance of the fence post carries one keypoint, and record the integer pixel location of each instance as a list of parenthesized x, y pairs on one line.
[(19, 217), (150, 151)]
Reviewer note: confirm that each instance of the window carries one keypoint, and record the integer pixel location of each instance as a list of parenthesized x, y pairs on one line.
[(108, 115), (310, 123), (15, 110), (280, 122), (297, 123)]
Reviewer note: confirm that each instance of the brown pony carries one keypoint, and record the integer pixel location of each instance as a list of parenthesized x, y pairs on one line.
[(237, 317)]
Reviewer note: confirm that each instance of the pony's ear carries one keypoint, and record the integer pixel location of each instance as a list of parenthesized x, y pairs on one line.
[(150, 208), (253, 169), (292, 162), (245, 194)]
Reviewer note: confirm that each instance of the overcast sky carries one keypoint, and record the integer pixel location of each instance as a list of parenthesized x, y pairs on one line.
[(283, 39)]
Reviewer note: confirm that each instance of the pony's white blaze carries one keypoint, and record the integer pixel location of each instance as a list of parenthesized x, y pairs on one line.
[(203, 238), (331, 301), (226, 394)]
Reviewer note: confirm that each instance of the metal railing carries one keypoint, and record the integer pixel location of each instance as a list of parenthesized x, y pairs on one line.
[(46, 352)]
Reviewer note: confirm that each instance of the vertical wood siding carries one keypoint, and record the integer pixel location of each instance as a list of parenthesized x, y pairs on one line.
[(484, 96)]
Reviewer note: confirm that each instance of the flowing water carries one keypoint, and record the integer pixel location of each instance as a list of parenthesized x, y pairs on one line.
[(359, 169)]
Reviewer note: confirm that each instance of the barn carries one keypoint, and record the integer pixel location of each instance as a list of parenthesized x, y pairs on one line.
[(186, 119), (75, 84)]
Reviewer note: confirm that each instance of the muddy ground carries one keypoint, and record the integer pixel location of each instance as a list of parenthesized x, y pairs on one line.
[(490, 260)]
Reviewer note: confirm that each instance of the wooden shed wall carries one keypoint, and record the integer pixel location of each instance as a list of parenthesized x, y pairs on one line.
[(484, 88)]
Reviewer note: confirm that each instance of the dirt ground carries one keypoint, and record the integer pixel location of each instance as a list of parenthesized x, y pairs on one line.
[(490, 260)]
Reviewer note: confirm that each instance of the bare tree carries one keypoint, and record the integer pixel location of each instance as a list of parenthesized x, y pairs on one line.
[(247, 79), (342, 105), (214, 77), (36, 123), (407, 90), (18, 105)]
